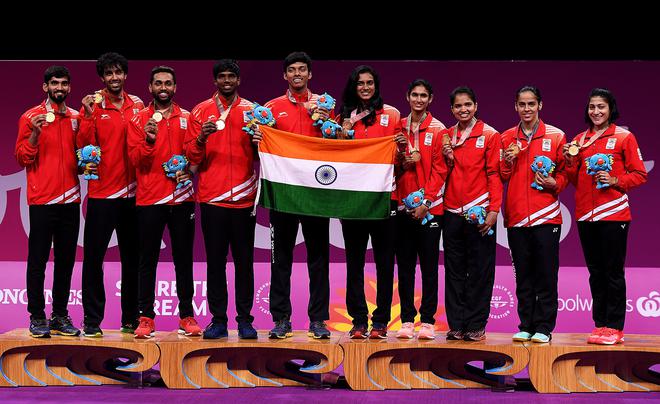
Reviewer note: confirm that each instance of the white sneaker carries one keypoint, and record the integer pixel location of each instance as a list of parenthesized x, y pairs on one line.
[(407, 331), (426, 331)]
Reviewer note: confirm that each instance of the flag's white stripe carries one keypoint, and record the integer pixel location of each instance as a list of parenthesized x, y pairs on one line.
[(350, 176)]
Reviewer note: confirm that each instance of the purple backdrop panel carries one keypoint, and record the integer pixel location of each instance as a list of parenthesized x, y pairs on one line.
[(643, 306)]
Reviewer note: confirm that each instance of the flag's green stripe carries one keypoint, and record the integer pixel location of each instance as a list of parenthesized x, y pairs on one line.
[(324, 202)]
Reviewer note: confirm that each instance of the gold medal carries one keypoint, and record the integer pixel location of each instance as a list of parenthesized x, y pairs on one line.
[(157, 116), (98, 97), (50, 117), (573, 150), (415, 155), (220, 124), (515, 149), (316, 116), (446, 139)]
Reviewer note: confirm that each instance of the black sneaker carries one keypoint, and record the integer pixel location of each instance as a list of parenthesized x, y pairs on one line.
[(318, 330), (215, 331), (92, 331), (62, 325), (476, 335), (281, 330), (246, 331), (454, 335), (129, 328), (39, 328), (359, 331), (378, 331)]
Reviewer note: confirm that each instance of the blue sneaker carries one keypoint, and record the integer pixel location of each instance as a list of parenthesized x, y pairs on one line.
[(522, 336), (39, 328), (215, 331), (246, 331), (318, 330), (281, 330), (541, 338)]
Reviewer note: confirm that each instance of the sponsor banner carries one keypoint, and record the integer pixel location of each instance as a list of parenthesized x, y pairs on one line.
[(575, 303)]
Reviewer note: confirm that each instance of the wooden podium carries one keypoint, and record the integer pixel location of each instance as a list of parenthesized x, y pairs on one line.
[(416, 364), (193, 363), (68, 361), (568, 364)]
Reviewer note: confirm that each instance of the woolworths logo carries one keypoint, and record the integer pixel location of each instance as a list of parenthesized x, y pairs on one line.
[(649, 306)]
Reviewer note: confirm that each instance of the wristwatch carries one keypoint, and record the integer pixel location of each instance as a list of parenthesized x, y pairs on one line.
[(427, 203)]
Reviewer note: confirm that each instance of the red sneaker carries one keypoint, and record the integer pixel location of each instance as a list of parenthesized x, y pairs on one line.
[(595, 335), (188, 326), (610, 336), (146, 329)]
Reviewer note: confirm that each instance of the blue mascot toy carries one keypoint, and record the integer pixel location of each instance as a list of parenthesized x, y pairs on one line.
[(477, 215), (86, 155), (543, 165), (258, 116), (599, 162), (330, 129), (414, 200), (325, 101), (174, 164)]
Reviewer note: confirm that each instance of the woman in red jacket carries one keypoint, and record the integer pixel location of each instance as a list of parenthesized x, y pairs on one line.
[(604, 162), (532, 214), (473, 153)]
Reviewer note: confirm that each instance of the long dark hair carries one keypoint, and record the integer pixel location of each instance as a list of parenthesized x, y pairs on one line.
[(609, 99), (351, 101)]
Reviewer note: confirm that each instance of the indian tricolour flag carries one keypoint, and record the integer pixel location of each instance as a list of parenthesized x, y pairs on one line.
[(346, 179)]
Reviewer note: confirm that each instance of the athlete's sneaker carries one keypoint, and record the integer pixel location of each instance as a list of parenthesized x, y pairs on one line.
[(358, 331), (426, 331), (62, 325), (281, 330), (475, 335), (595, 335), (129, 328), (188, 326), (146, 329), (318, 330), (39, 328), (610, 336), (541, 338), (454, 335), (406, 331), (378, 331), (215, 331), (246, 330), (92, 331), (522, 336)]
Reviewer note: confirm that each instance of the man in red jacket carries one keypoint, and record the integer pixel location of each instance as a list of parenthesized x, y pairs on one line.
[(46, 148), (111, 198), (292, 112), (155, 137), (227, 187)]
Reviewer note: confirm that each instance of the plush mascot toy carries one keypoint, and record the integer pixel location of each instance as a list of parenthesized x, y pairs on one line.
[(599, 162), (413, 201), (86, 155), (543, 165), (477, 215), (174, 164), (258, 116)]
